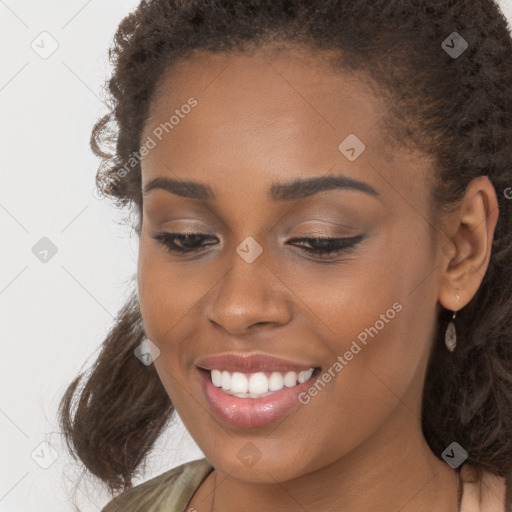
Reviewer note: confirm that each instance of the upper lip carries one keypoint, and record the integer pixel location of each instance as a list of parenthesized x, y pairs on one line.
[(249, 363)]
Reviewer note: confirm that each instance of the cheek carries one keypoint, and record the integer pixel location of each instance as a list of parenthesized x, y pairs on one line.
[(171, 294), (165, 298), (159, 290), (368, 313), (376, 311), (162, 301)]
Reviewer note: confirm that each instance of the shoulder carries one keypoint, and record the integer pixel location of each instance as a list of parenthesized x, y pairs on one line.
[(489, 493), (169, 492)]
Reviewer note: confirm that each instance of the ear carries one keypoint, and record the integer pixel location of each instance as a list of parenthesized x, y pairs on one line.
[(466, 254)]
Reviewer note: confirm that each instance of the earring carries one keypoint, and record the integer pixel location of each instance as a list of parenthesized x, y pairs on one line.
[(450, 337)]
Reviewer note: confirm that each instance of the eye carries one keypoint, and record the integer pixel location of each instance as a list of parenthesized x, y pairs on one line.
[(192, 243), (320, 246), (188, 241)]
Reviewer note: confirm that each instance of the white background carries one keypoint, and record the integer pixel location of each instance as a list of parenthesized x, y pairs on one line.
[(55, 315)]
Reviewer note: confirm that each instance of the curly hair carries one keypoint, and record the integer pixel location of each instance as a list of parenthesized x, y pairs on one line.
[(457, 110)]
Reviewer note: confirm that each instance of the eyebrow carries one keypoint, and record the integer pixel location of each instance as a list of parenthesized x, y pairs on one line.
[(297, 189)]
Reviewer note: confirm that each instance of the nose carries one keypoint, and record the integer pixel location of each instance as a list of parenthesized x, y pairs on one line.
[(249, 297)]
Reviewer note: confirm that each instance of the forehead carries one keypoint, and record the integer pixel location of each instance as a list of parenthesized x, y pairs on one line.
[(274, 114), (284, 87)]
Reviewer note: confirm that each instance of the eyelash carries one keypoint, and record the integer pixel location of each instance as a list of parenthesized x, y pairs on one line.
[(330, 245)]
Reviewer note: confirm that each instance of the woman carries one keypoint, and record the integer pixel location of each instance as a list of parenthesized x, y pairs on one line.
[(322, 196)]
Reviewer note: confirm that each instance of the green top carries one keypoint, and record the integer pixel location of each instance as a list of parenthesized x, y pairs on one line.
[(169, 492)]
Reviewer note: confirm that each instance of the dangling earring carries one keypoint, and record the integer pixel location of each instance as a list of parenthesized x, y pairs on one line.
[(450, 337)]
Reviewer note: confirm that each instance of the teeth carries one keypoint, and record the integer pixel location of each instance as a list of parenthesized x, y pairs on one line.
[(258, 383), (255, 385), (239, 383), (216, 378), (276, 381), (290, 379), (226, 381)]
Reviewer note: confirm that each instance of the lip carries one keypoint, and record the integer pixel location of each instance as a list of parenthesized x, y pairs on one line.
[(252, 412), (251, 363)]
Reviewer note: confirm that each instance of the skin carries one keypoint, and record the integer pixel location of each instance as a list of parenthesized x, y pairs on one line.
[(272, 116)]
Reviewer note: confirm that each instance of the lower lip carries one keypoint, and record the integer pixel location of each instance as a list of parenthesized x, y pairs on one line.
[(252, 412)]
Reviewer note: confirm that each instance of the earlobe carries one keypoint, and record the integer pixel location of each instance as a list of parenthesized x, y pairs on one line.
[(471, 232)]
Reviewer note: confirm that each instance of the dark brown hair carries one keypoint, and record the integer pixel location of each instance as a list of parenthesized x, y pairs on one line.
[(457, 110)]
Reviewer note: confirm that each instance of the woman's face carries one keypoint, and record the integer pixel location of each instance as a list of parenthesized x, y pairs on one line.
[(247, 127)]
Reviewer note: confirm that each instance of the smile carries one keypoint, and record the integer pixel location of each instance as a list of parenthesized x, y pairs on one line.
[(257, 385), (246, 409)]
